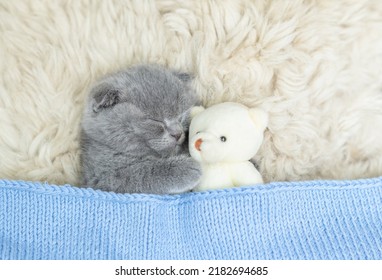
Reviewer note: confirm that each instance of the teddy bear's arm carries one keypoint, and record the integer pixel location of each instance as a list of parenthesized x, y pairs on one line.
[(245, 174), (215, 176)]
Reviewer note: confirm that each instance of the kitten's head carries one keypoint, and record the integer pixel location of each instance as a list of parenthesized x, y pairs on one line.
[(146, 105)]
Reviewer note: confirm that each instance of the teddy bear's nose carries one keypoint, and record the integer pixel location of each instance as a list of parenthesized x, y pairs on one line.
[(198, 143)]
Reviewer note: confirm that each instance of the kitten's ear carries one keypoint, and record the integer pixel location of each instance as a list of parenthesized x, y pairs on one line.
[(184, 77), (104, 96)]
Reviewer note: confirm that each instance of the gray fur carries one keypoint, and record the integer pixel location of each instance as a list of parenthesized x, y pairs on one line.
[(134, 133)]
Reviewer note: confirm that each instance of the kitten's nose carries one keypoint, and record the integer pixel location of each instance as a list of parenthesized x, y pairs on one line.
[(177, 136)]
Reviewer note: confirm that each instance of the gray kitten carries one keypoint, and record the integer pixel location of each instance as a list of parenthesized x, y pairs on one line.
[(134, 133)]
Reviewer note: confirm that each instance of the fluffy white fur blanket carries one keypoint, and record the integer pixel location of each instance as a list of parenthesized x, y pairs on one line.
[(315, 65)]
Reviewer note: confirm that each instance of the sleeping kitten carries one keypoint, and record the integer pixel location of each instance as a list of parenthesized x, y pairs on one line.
[(134, 133)]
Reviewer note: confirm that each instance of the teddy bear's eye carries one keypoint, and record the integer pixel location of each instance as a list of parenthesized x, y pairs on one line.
[(223, 139)]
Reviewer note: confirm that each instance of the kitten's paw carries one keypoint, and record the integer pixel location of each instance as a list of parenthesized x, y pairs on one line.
[(188, 175), (194, 174)]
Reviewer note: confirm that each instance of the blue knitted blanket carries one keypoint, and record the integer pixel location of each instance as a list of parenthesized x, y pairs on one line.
[(305, 220)]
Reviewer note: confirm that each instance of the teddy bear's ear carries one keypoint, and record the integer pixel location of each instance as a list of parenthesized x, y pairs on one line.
[(196, 110), (259, 117)]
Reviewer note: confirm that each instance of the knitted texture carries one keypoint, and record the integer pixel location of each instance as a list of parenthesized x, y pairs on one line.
[(306, 220)]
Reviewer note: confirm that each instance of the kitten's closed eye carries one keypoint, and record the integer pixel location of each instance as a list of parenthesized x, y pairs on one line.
[(154, 126), (155, 121)]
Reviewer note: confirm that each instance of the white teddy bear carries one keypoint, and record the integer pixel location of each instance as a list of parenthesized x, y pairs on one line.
[(223, 138)]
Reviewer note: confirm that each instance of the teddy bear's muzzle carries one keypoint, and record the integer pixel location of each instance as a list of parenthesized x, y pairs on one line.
[(198, 143)]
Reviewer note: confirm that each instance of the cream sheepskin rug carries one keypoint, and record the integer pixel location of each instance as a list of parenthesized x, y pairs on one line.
[(316, 66)]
